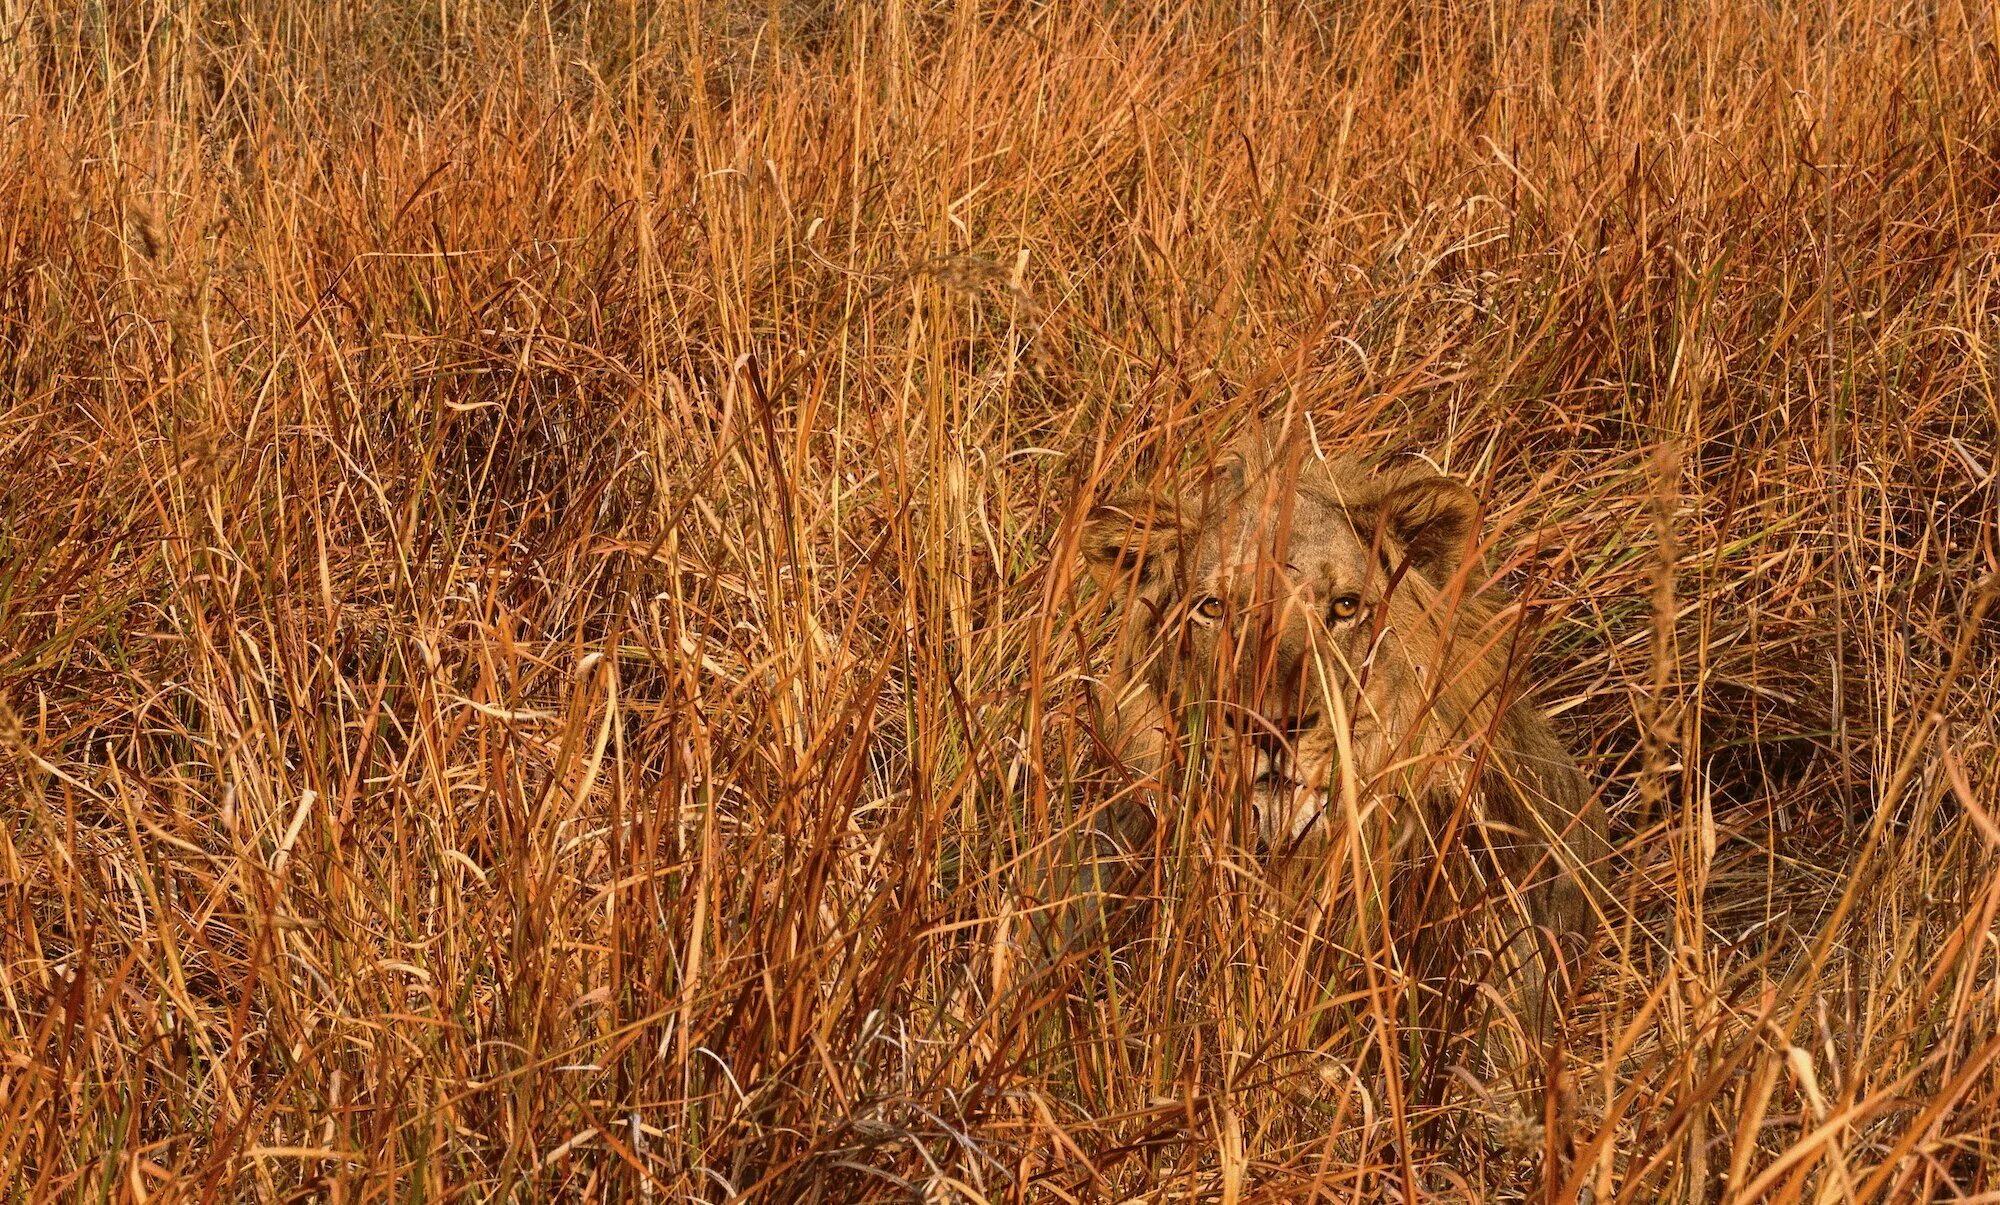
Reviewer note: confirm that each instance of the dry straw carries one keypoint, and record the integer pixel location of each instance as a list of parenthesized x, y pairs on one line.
[(539, 624)]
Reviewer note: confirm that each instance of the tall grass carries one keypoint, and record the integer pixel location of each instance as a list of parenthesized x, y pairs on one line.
[(538, 626)]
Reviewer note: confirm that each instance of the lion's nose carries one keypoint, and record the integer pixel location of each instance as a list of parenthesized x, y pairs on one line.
[(1273, 735), (1270, 739)]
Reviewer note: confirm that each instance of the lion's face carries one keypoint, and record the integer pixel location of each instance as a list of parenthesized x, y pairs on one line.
[(1297, 606)]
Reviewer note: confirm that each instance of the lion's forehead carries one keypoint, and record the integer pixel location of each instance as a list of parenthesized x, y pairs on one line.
[(1311, 535)]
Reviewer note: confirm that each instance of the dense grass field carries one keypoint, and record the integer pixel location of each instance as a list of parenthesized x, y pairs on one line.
[(539, 620)]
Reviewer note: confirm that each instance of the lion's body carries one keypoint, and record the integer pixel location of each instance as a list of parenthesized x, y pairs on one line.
[(1332, 622)]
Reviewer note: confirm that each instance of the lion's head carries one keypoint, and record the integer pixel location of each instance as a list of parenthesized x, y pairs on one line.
[(1315, 613)]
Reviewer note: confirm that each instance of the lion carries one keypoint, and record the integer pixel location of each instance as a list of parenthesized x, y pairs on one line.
[(1329, 627)]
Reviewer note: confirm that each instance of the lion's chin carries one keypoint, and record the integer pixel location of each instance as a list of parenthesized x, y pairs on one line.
[(1287, 812)]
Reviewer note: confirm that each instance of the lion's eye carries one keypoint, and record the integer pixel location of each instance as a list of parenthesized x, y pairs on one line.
[(1209, 608), (1346, 607)]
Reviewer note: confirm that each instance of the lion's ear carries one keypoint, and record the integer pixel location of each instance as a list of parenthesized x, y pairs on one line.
[(1434, 518), (1226, 475), (1132, 539)]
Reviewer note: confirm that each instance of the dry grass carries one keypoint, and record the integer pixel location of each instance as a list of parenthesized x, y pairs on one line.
[(535, 628)]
